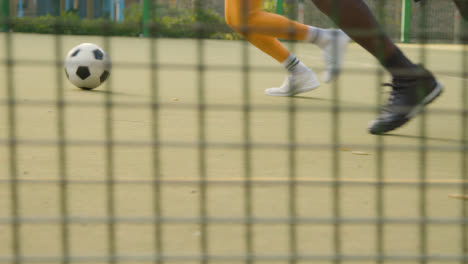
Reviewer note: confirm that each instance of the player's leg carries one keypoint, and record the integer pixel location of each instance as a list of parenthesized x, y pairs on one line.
[(413, 86), (300, 78), (281, 27), (247, 16), (462, 6)]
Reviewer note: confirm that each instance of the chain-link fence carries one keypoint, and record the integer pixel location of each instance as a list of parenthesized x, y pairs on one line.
[(180, 157)]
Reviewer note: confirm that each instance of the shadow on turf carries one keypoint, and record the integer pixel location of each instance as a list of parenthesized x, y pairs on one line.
[(329, 100), (106, 92), (311, 98), (451, 140)]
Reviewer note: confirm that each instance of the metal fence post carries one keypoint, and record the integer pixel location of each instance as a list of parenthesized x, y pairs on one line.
[(279, 7), (145, 18), (405, 21), (5, 14), (90, 7)]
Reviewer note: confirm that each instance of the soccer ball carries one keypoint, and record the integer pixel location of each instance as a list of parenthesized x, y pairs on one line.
[(87, 66)]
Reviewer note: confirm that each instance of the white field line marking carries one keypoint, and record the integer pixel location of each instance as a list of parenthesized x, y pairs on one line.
[(238, 180), (458, 196)]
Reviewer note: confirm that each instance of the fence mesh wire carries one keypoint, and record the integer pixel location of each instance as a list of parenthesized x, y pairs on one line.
[(71, 195)]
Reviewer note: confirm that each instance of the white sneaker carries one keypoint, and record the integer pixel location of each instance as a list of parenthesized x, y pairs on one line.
[(296, 83), (333, 52)]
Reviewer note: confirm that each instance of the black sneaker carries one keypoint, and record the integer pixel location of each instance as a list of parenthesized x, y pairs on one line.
[(408, 97)]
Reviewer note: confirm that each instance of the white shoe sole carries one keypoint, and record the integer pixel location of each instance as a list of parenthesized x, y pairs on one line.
[(302, 90), (427, 100)]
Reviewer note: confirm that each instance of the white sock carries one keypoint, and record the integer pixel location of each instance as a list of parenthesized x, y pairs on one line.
[(318, 36), (293, 64)]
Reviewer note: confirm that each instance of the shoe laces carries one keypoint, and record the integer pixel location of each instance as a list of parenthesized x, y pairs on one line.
[(394, 96)]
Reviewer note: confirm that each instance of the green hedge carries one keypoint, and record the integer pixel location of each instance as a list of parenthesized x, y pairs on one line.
[(166, 22), (73, 25)]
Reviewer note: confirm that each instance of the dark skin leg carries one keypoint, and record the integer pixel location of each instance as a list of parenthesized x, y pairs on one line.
[(356, 19), (462, 6), (412, 86)]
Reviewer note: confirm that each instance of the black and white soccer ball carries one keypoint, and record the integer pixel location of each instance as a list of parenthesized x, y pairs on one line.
[(87, 66)]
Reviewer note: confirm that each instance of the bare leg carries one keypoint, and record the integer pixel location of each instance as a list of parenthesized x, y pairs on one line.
[(462, 6), (412, 88)]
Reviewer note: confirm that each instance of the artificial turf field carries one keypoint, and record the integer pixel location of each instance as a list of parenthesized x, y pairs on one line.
[(316, 145)]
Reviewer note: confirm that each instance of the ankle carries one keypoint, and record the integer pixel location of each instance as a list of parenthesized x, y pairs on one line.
[(293, 65), (398, 65), (300, 68), (417, 72), (318, 36)]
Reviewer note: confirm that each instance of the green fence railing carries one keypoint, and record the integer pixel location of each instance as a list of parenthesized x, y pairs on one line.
[(279, 7), (405, 21), (5, 13)]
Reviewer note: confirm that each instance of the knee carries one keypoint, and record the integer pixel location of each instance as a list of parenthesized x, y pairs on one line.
[(234, 22), (230, 20), (239, 22)]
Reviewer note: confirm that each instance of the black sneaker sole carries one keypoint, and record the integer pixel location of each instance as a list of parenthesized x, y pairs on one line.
[(427, 100), (416, 110)]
